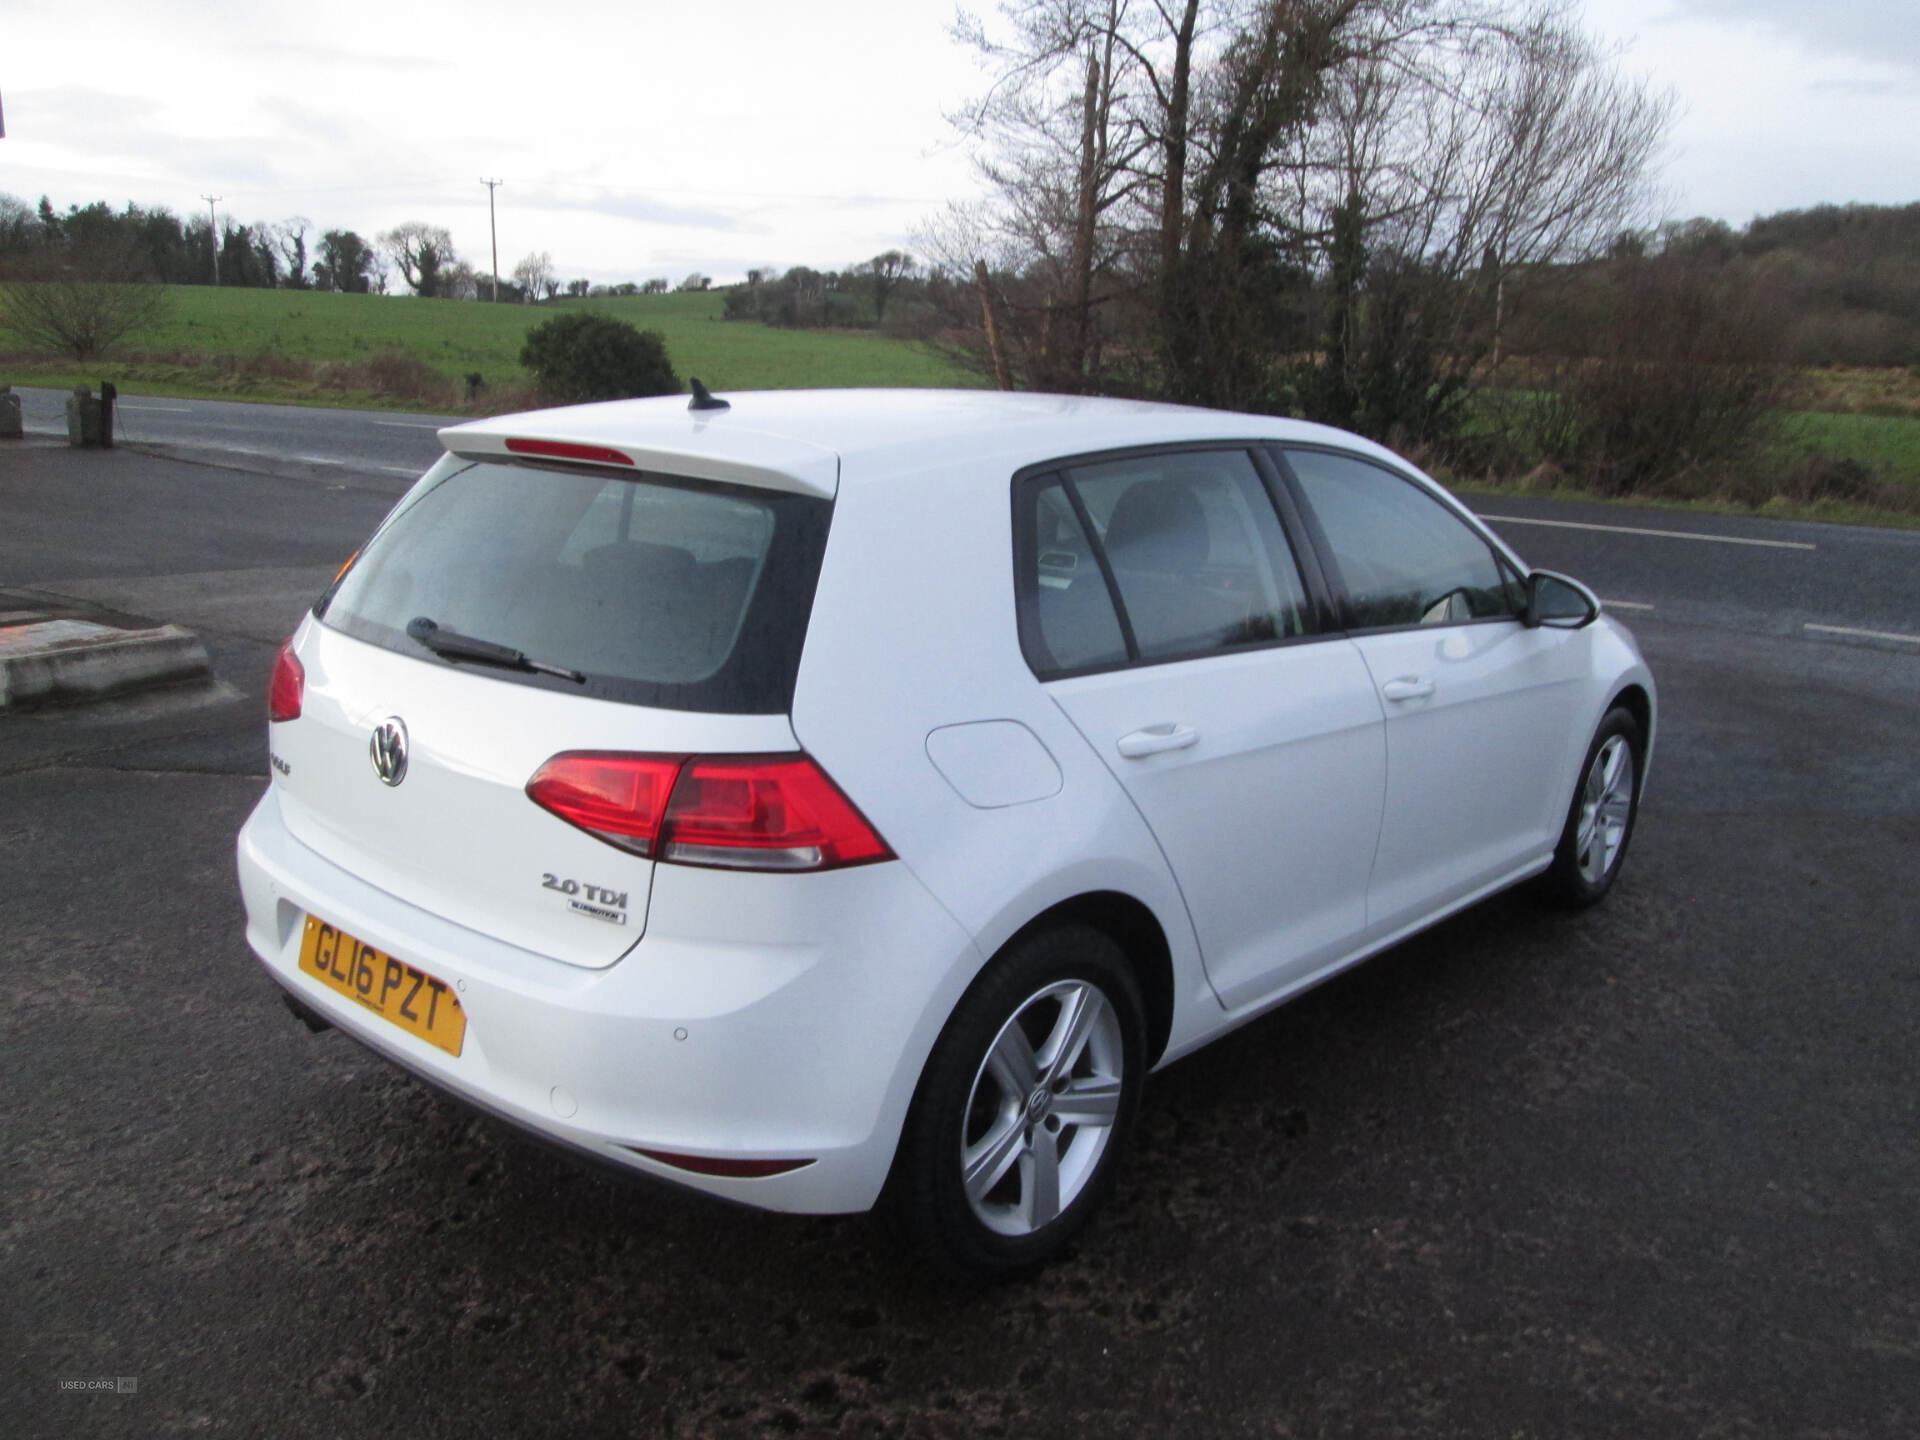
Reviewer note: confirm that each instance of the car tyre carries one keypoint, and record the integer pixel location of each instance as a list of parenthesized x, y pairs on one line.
[(1025, 1105), (1606, 802)]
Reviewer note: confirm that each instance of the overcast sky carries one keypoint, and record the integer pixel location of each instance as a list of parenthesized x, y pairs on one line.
[(637, 138)]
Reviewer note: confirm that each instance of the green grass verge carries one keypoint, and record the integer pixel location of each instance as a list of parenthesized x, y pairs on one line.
[(456, 338), (1823, 512), (1886, 444)]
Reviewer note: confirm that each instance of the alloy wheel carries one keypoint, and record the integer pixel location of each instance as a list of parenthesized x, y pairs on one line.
[(1042, 1108)]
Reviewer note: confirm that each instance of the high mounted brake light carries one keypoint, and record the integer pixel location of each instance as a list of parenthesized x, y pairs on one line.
[(567, 450), (736, 812)]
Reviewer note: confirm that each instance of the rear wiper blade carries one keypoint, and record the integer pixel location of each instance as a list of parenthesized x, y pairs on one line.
[(455, 646)]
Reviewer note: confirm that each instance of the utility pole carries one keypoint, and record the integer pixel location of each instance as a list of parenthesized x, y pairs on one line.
[(213, 233), (490, 184)]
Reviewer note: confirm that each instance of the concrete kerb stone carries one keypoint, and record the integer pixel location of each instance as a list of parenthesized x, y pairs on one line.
[(69, 660)]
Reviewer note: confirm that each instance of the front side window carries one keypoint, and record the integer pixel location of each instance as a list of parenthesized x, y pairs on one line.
[(652, 589), (1402, 556), (1185, 556)]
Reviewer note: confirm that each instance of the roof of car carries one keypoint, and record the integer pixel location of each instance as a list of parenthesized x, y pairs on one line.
[(808, 440)]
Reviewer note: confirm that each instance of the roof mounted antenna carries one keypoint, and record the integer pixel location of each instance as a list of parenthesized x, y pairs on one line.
[(703, 398)]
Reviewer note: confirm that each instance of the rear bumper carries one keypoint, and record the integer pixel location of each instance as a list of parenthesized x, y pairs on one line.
[(762, 1017)]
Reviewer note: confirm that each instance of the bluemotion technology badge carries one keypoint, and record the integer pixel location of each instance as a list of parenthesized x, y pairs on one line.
[(388, 750)]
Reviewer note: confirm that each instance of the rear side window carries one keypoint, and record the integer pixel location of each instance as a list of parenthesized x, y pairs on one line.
[(659, 591), (1072, 609), (1160, 556)]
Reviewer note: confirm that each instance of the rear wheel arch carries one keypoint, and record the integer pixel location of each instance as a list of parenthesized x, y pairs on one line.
[(1134, 927), (1008, 1148)]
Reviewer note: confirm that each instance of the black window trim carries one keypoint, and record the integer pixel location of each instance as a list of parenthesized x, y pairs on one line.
[(1341, 596), (1128, 640), (1320, 612), (1329, 612)]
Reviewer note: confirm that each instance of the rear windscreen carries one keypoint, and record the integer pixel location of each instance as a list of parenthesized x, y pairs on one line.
[(655, 590)]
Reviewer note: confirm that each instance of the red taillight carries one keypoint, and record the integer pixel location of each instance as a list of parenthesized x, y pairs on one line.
[(741, 812), (288, 686), (765, 812), (566, 450), (620, 798)]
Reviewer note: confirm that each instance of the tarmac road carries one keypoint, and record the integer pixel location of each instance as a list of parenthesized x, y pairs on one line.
[(1776, 576), (1649, 1171), (369, 442)]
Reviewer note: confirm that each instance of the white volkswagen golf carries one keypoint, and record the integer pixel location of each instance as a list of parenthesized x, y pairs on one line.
[(832, 795)]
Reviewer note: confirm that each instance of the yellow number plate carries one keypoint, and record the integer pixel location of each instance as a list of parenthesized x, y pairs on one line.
[(390, 988)]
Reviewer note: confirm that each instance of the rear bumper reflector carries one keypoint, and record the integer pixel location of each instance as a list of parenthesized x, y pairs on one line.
[(732, 1169)]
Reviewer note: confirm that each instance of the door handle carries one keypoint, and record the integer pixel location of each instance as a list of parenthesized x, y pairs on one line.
[(1152, 739), (1408, 687)]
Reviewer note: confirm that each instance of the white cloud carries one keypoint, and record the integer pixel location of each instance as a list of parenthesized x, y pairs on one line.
[(641, 137), (1883, 32), (1769, 121)]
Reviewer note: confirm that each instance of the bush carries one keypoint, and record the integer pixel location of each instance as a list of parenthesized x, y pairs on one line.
[(1852, 337), (595, 357), (79, 300), (1683, 378)]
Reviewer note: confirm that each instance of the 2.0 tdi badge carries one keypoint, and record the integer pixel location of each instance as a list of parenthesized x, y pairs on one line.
[(388, 750)]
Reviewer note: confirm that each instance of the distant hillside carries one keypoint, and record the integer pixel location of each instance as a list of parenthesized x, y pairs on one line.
[(1845, 278), (310, 345)]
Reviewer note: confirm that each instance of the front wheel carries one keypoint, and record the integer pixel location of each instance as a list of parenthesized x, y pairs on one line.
[(1600, 820), (1025, 1104)]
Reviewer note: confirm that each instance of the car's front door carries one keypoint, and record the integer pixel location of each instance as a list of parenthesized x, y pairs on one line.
[(1478, 707), (1166, 612)]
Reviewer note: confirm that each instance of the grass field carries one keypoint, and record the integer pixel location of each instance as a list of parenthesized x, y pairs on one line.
[(313, 348), (1889, 445), (260, 331)]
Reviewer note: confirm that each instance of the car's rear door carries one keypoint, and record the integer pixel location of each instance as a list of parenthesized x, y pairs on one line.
[(1167, 614)]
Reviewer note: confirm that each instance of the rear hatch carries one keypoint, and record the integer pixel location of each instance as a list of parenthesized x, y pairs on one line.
[(507, 613)]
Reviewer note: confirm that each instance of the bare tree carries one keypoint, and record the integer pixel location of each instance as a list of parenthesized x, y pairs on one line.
[(1060, 142), (535, 277), (291, 236), (459, 281), (1490, 154), (422, 252), (884, 273), (1199, 169), (80, 300)]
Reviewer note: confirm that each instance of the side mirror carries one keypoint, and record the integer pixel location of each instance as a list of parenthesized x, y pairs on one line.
[(1559, 601)]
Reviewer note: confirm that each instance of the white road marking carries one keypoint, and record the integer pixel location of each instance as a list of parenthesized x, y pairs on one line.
[(406, 425), (1636, 530), (168, 409), (1864, 634), (1626, 605)]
